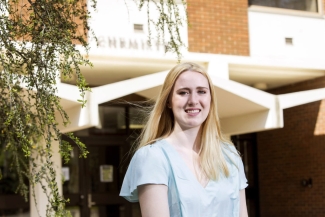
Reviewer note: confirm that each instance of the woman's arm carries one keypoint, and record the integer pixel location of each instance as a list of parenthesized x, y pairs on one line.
[(242, 205), (153, 200)]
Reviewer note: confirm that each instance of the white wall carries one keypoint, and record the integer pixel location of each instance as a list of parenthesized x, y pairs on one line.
[(267, 32), (114, 20)]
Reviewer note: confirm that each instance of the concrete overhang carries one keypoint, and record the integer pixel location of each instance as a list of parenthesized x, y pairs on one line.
[(242, 109), (250, 71)]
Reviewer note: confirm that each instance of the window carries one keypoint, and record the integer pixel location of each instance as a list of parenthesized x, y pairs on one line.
[(112, 119), (138, 27), (137, 118), (301, 5)]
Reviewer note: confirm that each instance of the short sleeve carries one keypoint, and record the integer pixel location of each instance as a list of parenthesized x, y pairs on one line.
[(242, 177), (232, 154), (148, 166)]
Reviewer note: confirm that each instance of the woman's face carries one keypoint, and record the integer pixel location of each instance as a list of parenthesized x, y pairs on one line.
[(190, 100)]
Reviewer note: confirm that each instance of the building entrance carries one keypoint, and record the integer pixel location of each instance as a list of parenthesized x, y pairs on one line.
[(93, 184), (246, 144), (102, 183)]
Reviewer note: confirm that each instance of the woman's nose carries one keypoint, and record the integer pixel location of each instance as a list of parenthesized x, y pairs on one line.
[(193, 99)]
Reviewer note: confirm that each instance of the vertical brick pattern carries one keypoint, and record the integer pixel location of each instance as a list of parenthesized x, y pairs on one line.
[(81, 31), (20, 11), (287, 156), (218, 27), (22, 7)]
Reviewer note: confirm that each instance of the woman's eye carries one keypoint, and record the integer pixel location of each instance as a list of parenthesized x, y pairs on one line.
[(183, 93), (202, 92)]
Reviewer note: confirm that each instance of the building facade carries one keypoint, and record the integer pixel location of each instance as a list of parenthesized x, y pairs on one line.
[(267, 62)]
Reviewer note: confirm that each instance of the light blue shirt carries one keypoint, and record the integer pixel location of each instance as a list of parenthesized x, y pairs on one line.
[(160, 163)]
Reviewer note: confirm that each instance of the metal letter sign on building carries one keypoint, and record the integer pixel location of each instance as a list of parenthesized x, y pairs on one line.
[(124, 43)]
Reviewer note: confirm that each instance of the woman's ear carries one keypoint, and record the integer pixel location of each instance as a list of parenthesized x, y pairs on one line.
[(168, 104)]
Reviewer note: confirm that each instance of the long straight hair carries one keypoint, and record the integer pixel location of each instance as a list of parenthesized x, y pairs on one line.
[(160, 125)]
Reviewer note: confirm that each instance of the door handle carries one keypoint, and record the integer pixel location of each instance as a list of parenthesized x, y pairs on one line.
[(90, 202)]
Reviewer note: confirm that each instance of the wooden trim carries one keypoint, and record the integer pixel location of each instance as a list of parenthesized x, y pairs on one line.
[(13, 202), (109, 140), (74, 199), (284, 11), (108, 199)]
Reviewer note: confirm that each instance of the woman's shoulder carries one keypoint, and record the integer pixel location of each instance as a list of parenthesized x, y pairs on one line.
[(229, 148), (151, 151), (148, 166)]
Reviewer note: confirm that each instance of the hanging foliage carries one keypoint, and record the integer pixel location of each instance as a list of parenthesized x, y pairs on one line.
[(38, 41), (168, 23)]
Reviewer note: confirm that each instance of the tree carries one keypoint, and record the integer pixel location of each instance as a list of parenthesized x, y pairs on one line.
[(38, 40)]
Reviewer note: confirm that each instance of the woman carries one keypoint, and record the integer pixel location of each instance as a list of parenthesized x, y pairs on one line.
[(183, 166)]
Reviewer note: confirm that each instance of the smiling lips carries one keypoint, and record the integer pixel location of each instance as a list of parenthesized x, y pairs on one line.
[(192, 111)]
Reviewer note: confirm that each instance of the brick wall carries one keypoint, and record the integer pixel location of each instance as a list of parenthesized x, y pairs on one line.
[(296, 152), (22, 7), (81, 31), (218, 26)]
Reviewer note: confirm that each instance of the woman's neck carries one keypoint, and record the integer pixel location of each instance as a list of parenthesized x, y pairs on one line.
[(188, 138)]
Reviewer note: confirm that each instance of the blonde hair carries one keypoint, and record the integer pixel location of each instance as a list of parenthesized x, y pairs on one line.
[(160, 125)]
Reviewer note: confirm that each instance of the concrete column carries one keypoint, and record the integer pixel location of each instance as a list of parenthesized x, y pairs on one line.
[(39, 208)]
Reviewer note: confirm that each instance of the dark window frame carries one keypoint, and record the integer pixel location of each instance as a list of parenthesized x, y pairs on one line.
[(279, 4)]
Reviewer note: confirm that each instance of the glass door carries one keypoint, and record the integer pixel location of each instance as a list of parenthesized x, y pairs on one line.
[(246, 144), (103, 181), (93, 184)]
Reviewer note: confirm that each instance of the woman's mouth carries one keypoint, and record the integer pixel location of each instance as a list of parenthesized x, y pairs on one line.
[(192, 111)]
